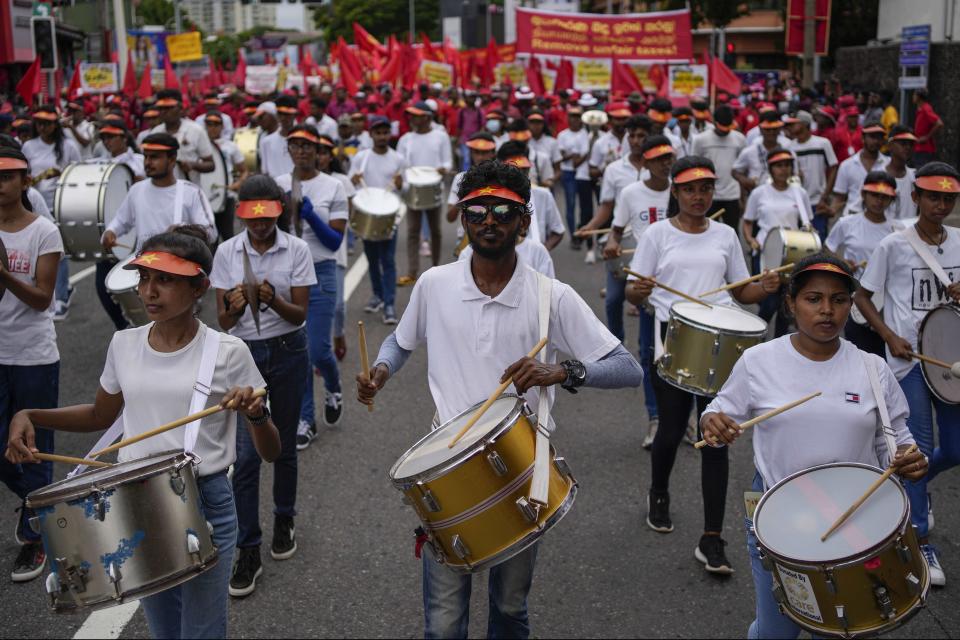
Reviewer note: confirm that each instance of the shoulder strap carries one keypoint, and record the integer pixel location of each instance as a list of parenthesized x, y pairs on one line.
[(910, 233), (798, 197), (178, 203), (540, 483), (885, 441), (201, 389), (109, 437)]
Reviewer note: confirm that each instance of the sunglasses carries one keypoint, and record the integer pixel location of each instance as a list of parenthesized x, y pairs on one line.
[(502, 213)]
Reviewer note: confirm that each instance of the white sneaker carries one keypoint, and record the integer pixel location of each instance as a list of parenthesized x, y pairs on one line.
[(929, 513), (306, 433), (60, 311), (937, 577), (425, 249), (590, 257), (651, 433)]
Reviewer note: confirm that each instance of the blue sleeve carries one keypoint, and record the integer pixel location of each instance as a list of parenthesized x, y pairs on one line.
[(328, 236)]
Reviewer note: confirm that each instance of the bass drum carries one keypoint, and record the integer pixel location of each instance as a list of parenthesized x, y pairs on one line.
[(248, 141), (214, 183), (87, 198), (939, 334)]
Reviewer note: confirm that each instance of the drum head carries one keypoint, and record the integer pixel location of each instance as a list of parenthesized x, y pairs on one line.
[(432, 451), (793, 515), (214, 183), (939, 339), (732, 319), (773, 249), (118, 182), (422, 176), (376, 201), (120, 279)]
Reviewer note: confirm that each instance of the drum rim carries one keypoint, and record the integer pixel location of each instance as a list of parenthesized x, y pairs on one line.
[(444, 467), (923, 365), (54, 493), (783, 254), (716, 330), (858, 557), (380, 191)]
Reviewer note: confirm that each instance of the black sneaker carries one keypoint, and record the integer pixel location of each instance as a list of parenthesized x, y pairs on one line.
[(247, 569), (658, 512), (332, 408), (284, 538), (306, 433), (710, 553), (29, 563)]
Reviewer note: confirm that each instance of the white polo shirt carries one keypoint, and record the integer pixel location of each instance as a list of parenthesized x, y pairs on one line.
[(617, 175), (608, 148), (576, 143), (472, 338), (546, 214), (330, 203), (227, 123), (850, 178), (275, 158), (150, 210), (194, 143), (531, 253), (547, 145)]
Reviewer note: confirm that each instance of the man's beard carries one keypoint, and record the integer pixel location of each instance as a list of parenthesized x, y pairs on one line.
[(507, 247)]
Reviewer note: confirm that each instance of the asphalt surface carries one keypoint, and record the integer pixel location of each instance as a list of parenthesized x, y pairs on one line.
[(601, 571)]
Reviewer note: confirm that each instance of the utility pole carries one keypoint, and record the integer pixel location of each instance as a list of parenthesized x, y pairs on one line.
[(809, 41), (413, 22), (120, 30), (178, 25)]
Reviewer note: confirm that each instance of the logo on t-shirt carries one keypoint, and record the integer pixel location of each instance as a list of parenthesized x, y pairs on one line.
[(18, 261), (928, 292), (853, 397)]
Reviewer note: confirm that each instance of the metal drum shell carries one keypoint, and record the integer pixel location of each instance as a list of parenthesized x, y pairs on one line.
[(941, 381), (783, 246), (852, 581), (419, 193), (121, 284), (87, 197), (463, 484), (375, 225), (137, 522), (248, 142)]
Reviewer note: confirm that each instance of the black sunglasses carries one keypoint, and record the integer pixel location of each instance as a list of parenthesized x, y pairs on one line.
[(502, 213)]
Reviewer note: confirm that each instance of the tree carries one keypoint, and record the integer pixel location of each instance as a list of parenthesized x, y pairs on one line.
[(161, 12), (380, 17), (718, 13), (852, 23)]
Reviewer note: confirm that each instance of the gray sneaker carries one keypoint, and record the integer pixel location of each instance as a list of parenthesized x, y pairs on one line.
[(374, 305), (389, 315)]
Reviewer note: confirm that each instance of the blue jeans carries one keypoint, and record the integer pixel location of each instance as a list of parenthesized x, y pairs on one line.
[(323, 304), (647, 324), (383, 268), (62, 290), (446, 597), (920, 422), (30, 387), (821, 223), (198, 608), (464, 156), (284, 364), (569, 181), (340, 312)]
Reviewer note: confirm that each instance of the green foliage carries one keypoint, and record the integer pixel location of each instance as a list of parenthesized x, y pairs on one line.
[(719, 13), (161, 12), (380, 17)]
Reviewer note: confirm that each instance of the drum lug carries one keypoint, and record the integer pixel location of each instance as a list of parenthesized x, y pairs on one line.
[(684, 373), (87, 223), (842, 617), (100, 506), (177, 484), (53, 585), (882, 595), (913, 584), (903, 551), (193, 545), (716, 345), (766, 561), (74, 578), (562, 467), (460, 548), (191, 458), (711, 377), (429, 501), (672, 329), (828, 578), (666, 359), (529, 510), (499, 466), (528, 412), (740, 349), (113, 572)]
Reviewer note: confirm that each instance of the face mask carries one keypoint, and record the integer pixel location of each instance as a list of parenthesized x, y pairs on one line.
[(493, 126)]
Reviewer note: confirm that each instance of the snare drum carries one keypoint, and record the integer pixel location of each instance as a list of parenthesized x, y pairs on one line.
[(374, 213), (122, 286), (703, 344), (424, 188), (940, 338), (87, 197), (784, 246), (473, 499), (123, 532), (868, 577), (214, 183), (247, 141)]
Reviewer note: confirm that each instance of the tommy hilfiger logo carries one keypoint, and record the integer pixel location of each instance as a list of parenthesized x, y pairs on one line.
[(853, 397)]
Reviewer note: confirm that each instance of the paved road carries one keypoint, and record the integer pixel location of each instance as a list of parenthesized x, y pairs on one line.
[(601, 572)]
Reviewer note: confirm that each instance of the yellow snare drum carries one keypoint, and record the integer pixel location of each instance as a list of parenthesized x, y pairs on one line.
[(473, 499), (246, 140)]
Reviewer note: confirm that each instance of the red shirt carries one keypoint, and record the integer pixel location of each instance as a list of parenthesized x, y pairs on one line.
[(747, 119), (848, 141), (557, 118), (923, 125)]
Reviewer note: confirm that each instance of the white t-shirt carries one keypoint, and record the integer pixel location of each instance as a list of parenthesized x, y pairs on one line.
[(531, 253), (39, 204), (814, 158), (27, 336), (43, 156), (689, 262), (577, 143), (911, 289), (285, 265), (133, 161), (150, 209), (546, 215), (855, 237), (329, 200), (618, 175), (547, 145), (232, 156), (275, 158), (850, 178), (723, 152), (326, 127), (839, 426), (194, 144), (349, 190), (227, 131), (157, 389), (639, 206), (608, 148), (88, 131), (472, 338), (904, 207), (770, 208), (752, 161), (431, 149), (542, 170), (378, 169)]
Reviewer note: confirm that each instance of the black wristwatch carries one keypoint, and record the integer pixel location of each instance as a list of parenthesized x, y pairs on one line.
[(262, 419), (576, 375)]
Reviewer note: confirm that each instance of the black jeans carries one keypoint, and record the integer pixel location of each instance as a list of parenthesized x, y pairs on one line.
[(731, 215), (865, 338), (106, 300)]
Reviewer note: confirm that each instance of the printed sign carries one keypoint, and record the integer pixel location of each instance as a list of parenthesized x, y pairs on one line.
[(99, 77), (689, 81), (510, 73), (799, 593), (592, 75), (184, 46), (432, 71), (262, 79)]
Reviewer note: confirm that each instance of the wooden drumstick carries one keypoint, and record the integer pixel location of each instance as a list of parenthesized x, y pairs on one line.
[(592, 232), (52, 457), (954, 368), (765, 416), (670, 289), (740, 283), (869, 492), (718, 214), (364, 360), (493, 396), (259, 393)]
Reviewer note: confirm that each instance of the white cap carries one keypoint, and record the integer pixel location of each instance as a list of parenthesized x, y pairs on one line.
[(267, 107), (524, 93), (433, 104), (437, 86), (587, 100)]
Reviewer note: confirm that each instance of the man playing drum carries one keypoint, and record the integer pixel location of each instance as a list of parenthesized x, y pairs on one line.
[(494, 291)]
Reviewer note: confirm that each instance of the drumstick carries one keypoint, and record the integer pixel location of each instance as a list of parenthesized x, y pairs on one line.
[(670, 289), (364, 361), (765, 416), (869, 492), (52, 457), (592, 232), (625, 252), (740, 283), (493, 396), (259, 393), (718, 214), (954, 368)]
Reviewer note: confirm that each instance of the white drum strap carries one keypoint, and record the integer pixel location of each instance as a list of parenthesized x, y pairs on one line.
[(201, 389), (178, 204), (108, 438), (657, 339), (540, 483), (885, 441), (910, 233), (798, 197)]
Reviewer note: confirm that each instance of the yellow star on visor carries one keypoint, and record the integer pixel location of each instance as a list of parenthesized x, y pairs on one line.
[(259, 209), (486, 191), (699, 172), (945, 183), (149, 258)]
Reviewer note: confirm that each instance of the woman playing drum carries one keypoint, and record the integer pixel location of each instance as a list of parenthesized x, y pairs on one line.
[(149, 378), (839, 426), (911, 290), (693, 254)]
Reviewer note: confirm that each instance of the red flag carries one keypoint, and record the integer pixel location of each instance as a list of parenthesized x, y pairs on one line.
[(351, 72), (429, 51), (240, 73), (391, 70), (624, 80), (723, 78), (366, 41), (30, 84), (658, 77), (534, 77), (221, 75), (129, 77), (411, 65), (212, 73), (564, 76), (490, 63), (452, 57), (146, 86), (169, 77), (73, 89)]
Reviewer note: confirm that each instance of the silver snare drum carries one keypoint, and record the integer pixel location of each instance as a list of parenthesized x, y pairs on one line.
[(123, 532), (374, 213), (87, 197), (122, 286), (939, 333), (424, 188)]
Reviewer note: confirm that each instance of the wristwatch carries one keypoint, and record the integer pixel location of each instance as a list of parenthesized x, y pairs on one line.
[(262, 419), (576, 375)]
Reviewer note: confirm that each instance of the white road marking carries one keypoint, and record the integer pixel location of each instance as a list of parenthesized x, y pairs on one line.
[(355, 276), (80, 275), (108, 623)]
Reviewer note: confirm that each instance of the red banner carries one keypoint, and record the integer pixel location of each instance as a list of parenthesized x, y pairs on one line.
[(795, 26), (663, 35)]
